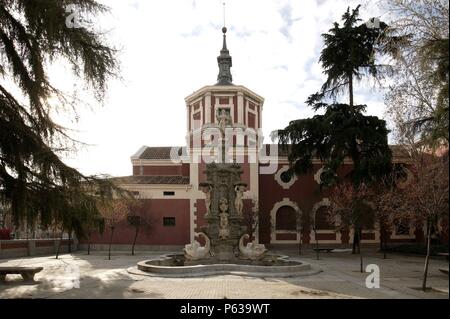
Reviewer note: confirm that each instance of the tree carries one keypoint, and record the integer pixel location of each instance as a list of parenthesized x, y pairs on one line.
[(343, 131), (113, 213), (138, 219), (418, 99), (426, 198), (351, 208), (33, 36)]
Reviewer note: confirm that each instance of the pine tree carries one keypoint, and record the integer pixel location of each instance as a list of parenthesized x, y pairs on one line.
[(343, 131), (33, 178)]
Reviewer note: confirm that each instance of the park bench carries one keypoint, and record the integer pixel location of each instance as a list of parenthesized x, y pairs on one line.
[(324, 249), (27, 273)]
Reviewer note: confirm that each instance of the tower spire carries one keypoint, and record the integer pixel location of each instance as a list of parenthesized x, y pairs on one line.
[(224, 59)]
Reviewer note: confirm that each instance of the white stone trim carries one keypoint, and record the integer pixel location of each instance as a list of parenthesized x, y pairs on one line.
[(325, 202), (207, 108), (277, 177), (273, 218), (240, 108), (147, 162), (233, 89), (317, 175)]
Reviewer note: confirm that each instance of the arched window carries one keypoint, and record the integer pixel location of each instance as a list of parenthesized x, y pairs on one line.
[(286, 218), (322, 221)]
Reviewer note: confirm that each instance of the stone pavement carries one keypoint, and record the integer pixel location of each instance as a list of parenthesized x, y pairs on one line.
[(82, 276)]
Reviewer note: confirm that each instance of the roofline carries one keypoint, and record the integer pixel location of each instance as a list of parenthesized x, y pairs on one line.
[(138, 154), (222, 88)]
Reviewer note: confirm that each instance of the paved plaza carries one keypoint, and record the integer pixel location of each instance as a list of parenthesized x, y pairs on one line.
[(82, 276)]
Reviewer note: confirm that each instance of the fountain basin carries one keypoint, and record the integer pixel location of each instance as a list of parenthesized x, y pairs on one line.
[(176, 266)]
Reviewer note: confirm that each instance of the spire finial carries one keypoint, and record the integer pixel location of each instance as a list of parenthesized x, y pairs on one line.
[(224, 25), (224, 59)]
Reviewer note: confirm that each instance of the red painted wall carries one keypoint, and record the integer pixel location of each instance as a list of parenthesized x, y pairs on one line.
[(156, 234)]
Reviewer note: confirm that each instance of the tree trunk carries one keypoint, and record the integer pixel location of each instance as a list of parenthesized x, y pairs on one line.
[(300, 244), (70, 242), (427, 258), (360, 251), (134, 241), (59, 245), (350, 88), (317, 245), (110, 243), (89, 244)]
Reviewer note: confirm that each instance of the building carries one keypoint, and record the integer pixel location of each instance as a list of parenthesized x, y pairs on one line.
[(166, 179)]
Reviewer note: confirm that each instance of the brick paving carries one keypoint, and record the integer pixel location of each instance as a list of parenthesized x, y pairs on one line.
[(102, 278)]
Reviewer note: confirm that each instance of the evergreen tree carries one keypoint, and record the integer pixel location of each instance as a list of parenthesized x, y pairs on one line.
[(343, 131), (34, 34)]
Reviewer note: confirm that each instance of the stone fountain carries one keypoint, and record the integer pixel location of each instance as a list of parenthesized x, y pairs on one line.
[(224, 235)]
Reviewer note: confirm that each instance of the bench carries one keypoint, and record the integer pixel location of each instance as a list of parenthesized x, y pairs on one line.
[(27, 273), (444, 270), (324, 249)]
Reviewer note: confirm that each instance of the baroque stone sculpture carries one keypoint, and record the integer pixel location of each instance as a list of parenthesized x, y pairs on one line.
[(224, 226), (251, 250), (195, 251), (238, 202), (206, 189)]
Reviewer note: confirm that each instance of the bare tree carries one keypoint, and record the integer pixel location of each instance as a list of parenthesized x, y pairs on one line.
[(350, 209), (425, 199), (139, 219), (113, 213), (417, 101)]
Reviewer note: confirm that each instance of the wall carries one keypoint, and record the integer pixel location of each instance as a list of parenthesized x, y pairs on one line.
[(33, 247), (155, 233)]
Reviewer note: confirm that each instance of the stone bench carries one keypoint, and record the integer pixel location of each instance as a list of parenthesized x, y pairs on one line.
[(27, 273), (444, 270)]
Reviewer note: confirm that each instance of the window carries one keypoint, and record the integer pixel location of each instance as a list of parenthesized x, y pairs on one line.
[(168, 193), (168, 221), (286, 218), (402, 227), (285, 177)]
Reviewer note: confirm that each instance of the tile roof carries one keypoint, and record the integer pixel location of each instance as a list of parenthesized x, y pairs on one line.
[(163, 153), (159, 153), (158, 180)]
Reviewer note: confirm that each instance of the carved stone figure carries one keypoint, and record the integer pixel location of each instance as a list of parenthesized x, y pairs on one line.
[(224, 226), (238, 202), (195, 251), (255, 211), (251, 250), (224, 119), (207, 190)]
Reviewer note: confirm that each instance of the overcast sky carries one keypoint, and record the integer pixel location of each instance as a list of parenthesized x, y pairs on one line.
[(168, 49)]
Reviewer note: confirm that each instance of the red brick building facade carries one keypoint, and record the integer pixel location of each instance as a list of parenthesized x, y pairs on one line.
[(167, 178)]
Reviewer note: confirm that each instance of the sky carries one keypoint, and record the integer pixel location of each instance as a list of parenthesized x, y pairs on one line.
[(168, 49)]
